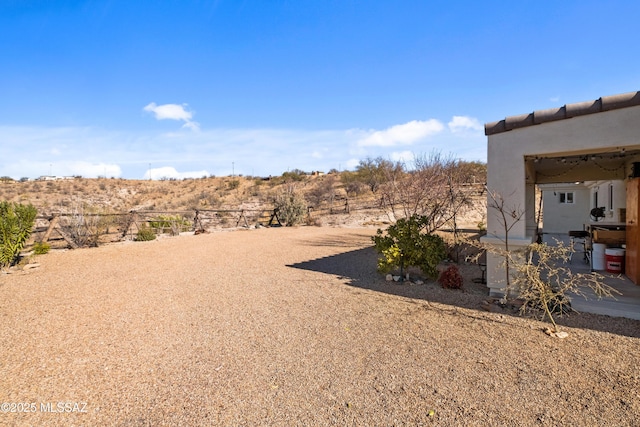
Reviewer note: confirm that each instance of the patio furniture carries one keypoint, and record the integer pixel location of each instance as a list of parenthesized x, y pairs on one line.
[(580, 239)]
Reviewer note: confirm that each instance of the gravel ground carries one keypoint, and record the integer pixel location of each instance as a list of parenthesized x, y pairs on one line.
[(290, 326)]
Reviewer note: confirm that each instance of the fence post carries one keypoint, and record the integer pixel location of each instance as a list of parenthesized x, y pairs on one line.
[(53, 221)]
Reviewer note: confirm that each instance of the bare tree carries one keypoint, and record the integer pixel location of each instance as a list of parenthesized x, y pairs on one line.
[(508, 216), (432, 189), (376, 172), (540, 273)]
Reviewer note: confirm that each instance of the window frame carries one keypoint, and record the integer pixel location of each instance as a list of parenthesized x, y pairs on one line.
[(566, 197)]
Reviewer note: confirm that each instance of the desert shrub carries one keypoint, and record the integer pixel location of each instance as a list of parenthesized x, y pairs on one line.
[(16, 225), (291, 208), (175, 224), (294, 175), (234, 184), (41, 248), (406, 244), (323, 192), (84, 225), (544, 280), (204, 198), (145, 234), (451, 278)]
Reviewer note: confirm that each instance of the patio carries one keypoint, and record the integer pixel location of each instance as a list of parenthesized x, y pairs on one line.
[(625, 305)]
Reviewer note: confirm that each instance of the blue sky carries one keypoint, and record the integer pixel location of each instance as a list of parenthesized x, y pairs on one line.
[(258, 87)]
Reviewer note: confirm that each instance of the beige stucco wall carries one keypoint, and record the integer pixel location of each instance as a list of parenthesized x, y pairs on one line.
[(563, 217), (619, 200), (614, 130)]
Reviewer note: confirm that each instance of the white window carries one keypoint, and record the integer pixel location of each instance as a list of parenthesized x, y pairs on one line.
[(566, 197)]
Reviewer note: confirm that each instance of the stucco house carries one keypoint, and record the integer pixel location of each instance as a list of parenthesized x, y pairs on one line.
[(582, 156)]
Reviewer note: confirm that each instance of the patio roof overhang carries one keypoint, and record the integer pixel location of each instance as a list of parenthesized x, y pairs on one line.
[(563, 167)]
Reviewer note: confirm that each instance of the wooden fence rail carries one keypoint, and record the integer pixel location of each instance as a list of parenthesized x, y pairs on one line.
[(73, 230)]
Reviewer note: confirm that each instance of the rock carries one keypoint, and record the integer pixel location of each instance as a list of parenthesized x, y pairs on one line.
[(556, 334), (30, 266), (488, 307), (389, 277), (396, 278), (419, 282)]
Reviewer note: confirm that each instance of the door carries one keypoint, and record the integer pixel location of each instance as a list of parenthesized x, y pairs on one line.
[(632, 268)]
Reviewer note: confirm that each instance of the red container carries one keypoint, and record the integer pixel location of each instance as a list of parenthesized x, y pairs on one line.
[(614, 259)]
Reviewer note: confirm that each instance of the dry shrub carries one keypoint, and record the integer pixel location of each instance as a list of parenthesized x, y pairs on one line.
[(85, 225), (544, 280), (451, 278)]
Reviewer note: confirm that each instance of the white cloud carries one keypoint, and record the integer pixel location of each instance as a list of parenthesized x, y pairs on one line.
[(91, 152), (91, 170), (405, 134), (173, 112), (169, 172), (554, 99), (402, 156), (462, 124), (352, 163), (34, 169)]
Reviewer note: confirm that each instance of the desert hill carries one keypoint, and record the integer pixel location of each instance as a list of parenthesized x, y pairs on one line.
[(223, 202)]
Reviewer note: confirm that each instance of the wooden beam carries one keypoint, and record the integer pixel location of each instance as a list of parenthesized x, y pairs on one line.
[(52, 224)]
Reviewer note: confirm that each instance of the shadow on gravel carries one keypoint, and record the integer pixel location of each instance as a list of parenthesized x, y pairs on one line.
[(358, 269)]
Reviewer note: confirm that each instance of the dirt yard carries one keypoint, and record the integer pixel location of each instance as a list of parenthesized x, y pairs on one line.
[(290, 326)]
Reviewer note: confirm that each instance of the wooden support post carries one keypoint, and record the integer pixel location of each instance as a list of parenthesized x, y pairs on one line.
[(197, 224), (239, 217), (274, 215), (242, 215), (53, 221), (67, 238), (127, 227)]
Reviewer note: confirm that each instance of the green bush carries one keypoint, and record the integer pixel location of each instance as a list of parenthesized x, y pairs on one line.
[(175, 224), (16, 225), (406, 245), (291, 208), (41, 248), (145, 234)]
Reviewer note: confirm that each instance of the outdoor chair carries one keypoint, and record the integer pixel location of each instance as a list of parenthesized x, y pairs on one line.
[(580, 242)]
